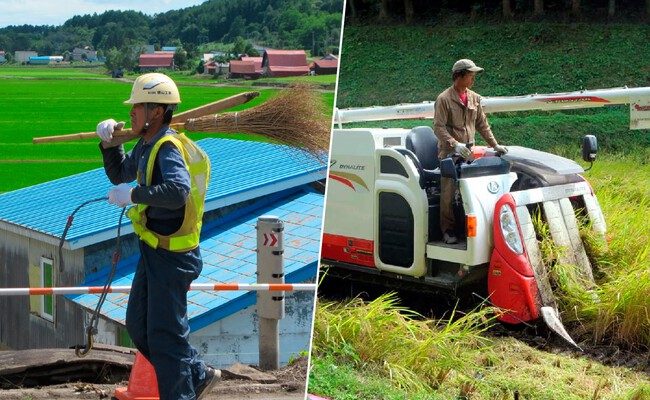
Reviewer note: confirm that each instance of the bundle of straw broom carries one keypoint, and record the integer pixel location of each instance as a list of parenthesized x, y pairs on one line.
[(295, 117)]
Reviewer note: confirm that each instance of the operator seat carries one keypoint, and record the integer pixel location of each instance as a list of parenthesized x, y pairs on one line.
[(424, 144)]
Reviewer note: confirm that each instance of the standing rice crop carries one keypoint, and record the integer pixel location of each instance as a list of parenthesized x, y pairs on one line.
[(617, 310), (397, 343)]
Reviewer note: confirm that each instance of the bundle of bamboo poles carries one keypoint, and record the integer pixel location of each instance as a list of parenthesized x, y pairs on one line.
[(295, 117)]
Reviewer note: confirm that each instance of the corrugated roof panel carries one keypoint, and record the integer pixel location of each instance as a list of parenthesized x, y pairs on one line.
[(241, 170), (225, 262)]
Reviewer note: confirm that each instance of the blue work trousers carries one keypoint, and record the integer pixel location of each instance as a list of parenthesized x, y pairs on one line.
[(156, 319)]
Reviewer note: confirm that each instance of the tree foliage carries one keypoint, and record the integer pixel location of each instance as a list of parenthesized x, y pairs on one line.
[(564, 10)]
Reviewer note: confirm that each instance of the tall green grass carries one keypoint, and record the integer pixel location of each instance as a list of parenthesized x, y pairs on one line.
[(398, 344), (519, 58), (378, 350), (622, 314)]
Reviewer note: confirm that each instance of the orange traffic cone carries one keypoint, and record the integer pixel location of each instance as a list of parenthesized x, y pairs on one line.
[(143, 384)]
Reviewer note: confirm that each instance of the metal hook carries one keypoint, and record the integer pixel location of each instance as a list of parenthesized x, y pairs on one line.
[(82, 352)]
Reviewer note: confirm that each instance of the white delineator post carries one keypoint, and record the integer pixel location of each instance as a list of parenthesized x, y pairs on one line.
[(270, 305)]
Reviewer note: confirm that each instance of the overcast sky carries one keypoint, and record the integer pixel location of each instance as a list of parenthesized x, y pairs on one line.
[(56, 12)]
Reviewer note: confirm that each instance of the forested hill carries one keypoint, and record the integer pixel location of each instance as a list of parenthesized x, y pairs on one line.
[(308, 24)]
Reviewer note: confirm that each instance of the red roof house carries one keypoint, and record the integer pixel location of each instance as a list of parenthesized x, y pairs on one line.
[(255, 60), (285, 62), (244, 69), (325, 67), (155, 61)]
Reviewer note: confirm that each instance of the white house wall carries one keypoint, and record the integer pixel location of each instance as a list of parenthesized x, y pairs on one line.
[(235, 338), (19, 328)]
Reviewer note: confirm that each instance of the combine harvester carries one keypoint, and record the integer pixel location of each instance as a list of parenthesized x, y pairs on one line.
[(383, 207)]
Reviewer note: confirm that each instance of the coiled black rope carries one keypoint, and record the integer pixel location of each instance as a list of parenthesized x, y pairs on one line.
[(91, 330)]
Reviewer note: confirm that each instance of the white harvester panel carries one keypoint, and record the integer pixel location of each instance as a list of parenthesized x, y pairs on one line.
[(351, 183)]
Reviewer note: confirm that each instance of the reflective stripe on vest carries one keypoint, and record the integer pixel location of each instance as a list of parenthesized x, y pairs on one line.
[(188, 235)]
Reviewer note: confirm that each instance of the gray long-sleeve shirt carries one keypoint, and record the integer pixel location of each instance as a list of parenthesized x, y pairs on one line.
[(170, 186)]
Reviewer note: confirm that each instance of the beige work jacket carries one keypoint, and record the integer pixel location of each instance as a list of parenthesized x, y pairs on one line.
[(453, 122)]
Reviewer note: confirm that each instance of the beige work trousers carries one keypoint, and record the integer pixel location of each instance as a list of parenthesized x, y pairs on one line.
[(447, 219)]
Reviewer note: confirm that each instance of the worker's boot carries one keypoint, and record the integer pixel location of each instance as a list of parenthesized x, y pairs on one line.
[(212, 376), (450, 237)]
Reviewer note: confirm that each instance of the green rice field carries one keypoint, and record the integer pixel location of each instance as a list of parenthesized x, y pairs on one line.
[(55, 101)]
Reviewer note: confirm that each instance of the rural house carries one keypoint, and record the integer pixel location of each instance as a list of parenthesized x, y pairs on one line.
[(21, 56), (2, 56), (84, 54), (257, 62), (325, 67), (285, 63), (246, 67), (249, 179), (152, 62)]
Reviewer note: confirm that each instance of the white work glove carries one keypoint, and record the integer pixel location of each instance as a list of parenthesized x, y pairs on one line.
[(106, 128), (461, 149), (120, 195), (501, 149)]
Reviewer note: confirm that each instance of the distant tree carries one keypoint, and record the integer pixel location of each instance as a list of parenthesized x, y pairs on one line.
[(507, 9), (120, 59), (409, 12), (190, 33), (114, 59), (237, 28), (180, 58), (6, 43), (200, 68), (383, 10), (611, 8), (22, 42), (538, 8), (575, 8), (353, 8)]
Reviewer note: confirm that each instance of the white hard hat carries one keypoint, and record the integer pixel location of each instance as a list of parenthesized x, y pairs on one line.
[(154, 88)]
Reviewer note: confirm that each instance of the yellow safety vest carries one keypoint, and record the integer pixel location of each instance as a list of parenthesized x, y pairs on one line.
[(187, 236)]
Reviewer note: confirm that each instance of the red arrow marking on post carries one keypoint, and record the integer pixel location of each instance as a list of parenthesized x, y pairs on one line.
[(266, 239), (274, 240)]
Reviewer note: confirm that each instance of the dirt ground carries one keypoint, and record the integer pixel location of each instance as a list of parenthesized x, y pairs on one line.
[(290, 385)]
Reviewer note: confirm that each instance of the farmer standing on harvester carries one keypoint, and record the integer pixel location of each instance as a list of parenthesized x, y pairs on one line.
[(172, 174), (458, 115)]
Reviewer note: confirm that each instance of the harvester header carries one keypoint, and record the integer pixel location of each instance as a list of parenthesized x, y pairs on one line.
[(637, 98)]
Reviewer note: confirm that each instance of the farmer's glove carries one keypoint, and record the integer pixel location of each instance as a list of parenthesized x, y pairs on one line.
[(461, 149), (120, 195), (106, 128), (501, 150)]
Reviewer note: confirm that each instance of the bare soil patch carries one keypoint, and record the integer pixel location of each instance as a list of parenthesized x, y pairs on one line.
[(290, 384)]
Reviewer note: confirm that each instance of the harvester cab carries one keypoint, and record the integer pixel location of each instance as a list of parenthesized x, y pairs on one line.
[(382, 220)]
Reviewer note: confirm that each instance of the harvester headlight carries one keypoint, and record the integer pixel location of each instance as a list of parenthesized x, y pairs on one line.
[(509, 230)]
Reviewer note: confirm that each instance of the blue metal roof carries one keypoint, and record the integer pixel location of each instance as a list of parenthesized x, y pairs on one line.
[(228, 251), (241, 170)]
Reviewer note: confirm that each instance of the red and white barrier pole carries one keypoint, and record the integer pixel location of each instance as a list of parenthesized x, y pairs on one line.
[(258, 287)]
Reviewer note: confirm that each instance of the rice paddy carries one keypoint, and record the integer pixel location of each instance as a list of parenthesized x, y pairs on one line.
[(54, 101)]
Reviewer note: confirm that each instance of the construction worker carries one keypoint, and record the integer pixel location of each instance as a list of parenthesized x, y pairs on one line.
[(166, 216), (458, 115)]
